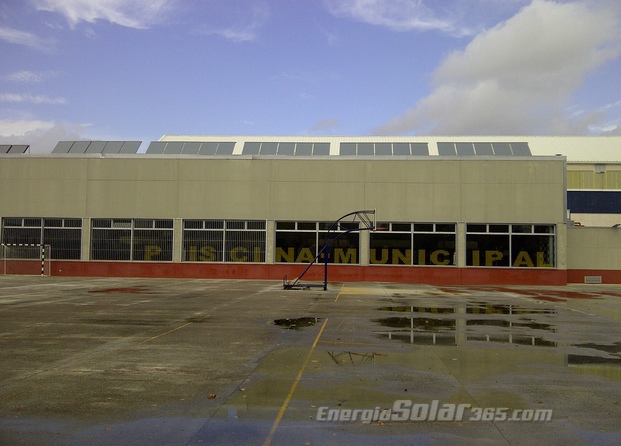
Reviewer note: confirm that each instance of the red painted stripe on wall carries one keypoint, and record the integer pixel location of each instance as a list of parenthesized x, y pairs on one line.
[(336, 273)]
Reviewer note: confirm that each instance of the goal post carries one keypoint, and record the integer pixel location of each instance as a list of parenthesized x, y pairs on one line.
[(25, 259)]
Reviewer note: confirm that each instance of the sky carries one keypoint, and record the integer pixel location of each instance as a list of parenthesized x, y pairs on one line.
[(138, 69)]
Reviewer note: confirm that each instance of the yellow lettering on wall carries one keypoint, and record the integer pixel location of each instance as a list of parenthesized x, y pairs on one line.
[(541, 262), (435, 257), (345, 256), (192, 254), (235, 257), (523, 259), (491, 257), (399, 257), (373, 256), (476, 258), (151, 251), (257, 254), (208, 254), (282, 256), (421, 257), (305, 255)]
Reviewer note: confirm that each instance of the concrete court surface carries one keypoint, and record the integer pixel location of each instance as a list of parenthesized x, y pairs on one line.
[(106, 361)]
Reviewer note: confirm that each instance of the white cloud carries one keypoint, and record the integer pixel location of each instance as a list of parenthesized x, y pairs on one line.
[(138, 14), (19, 127), (325, 126), (42, 136), (29, 77), (519, 76), (399, 15), (246, 27), (25, 38), (33, 99)]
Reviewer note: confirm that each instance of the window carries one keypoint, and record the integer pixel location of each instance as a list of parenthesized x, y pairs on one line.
[(127, 239), (413, 244), (64, 235), (224, 241), (517, 245), (301, 242)]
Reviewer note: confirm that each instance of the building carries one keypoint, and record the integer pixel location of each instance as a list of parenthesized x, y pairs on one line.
[(448, 210)]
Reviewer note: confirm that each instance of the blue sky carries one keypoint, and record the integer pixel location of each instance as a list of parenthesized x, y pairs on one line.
[(138, 69)]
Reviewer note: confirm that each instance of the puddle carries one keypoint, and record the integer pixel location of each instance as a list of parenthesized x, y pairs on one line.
[(586, 359), (456, 325), (413, 309), (296, 324), (542, 293), (508, 324), (471, 308), (417, 323), (609, 354), (486, 308)]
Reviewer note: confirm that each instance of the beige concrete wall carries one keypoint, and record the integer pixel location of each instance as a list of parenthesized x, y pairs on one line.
[(594, 248), (35, 187), (452, 190)]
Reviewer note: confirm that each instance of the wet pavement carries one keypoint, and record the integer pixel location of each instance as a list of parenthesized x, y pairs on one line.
[(210, 362)]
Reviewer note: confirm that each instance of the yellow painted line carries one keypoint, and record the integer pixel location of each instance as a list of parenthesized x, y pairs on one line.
[(284, 406), (164, 334), (337, 297)]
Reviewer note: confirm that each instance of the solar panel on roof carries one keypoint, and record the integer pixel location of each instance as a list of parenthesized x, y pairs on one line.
[(502, 149), (62, 147), (483, 148), (366, 148), (95, 147), (464, 149), (286, 148), (4, 148), (269, 148), (251, 148), (79, 147), (446, 149), (191, 148), (225, 148), (348, 148), (520, 149), (401, 148), (112, 147), (208, 148), (321, 148), (130, 147), (173, 148), (156, 147), (383, 148), (420, 148), (304, 149)]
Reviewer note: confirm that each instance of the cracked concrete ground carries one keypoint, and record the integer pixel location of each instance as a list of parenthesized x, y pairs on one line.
[(107, 361)]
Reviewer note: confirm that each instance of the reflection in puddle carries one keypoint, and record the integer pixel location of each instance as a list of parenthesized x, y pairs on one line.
[(612, 354), (409, 308), (418, 323), (484, 322), (505, 323), (296, 324), (485, 308), (352, 358), (470, 308), (454, 325)]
